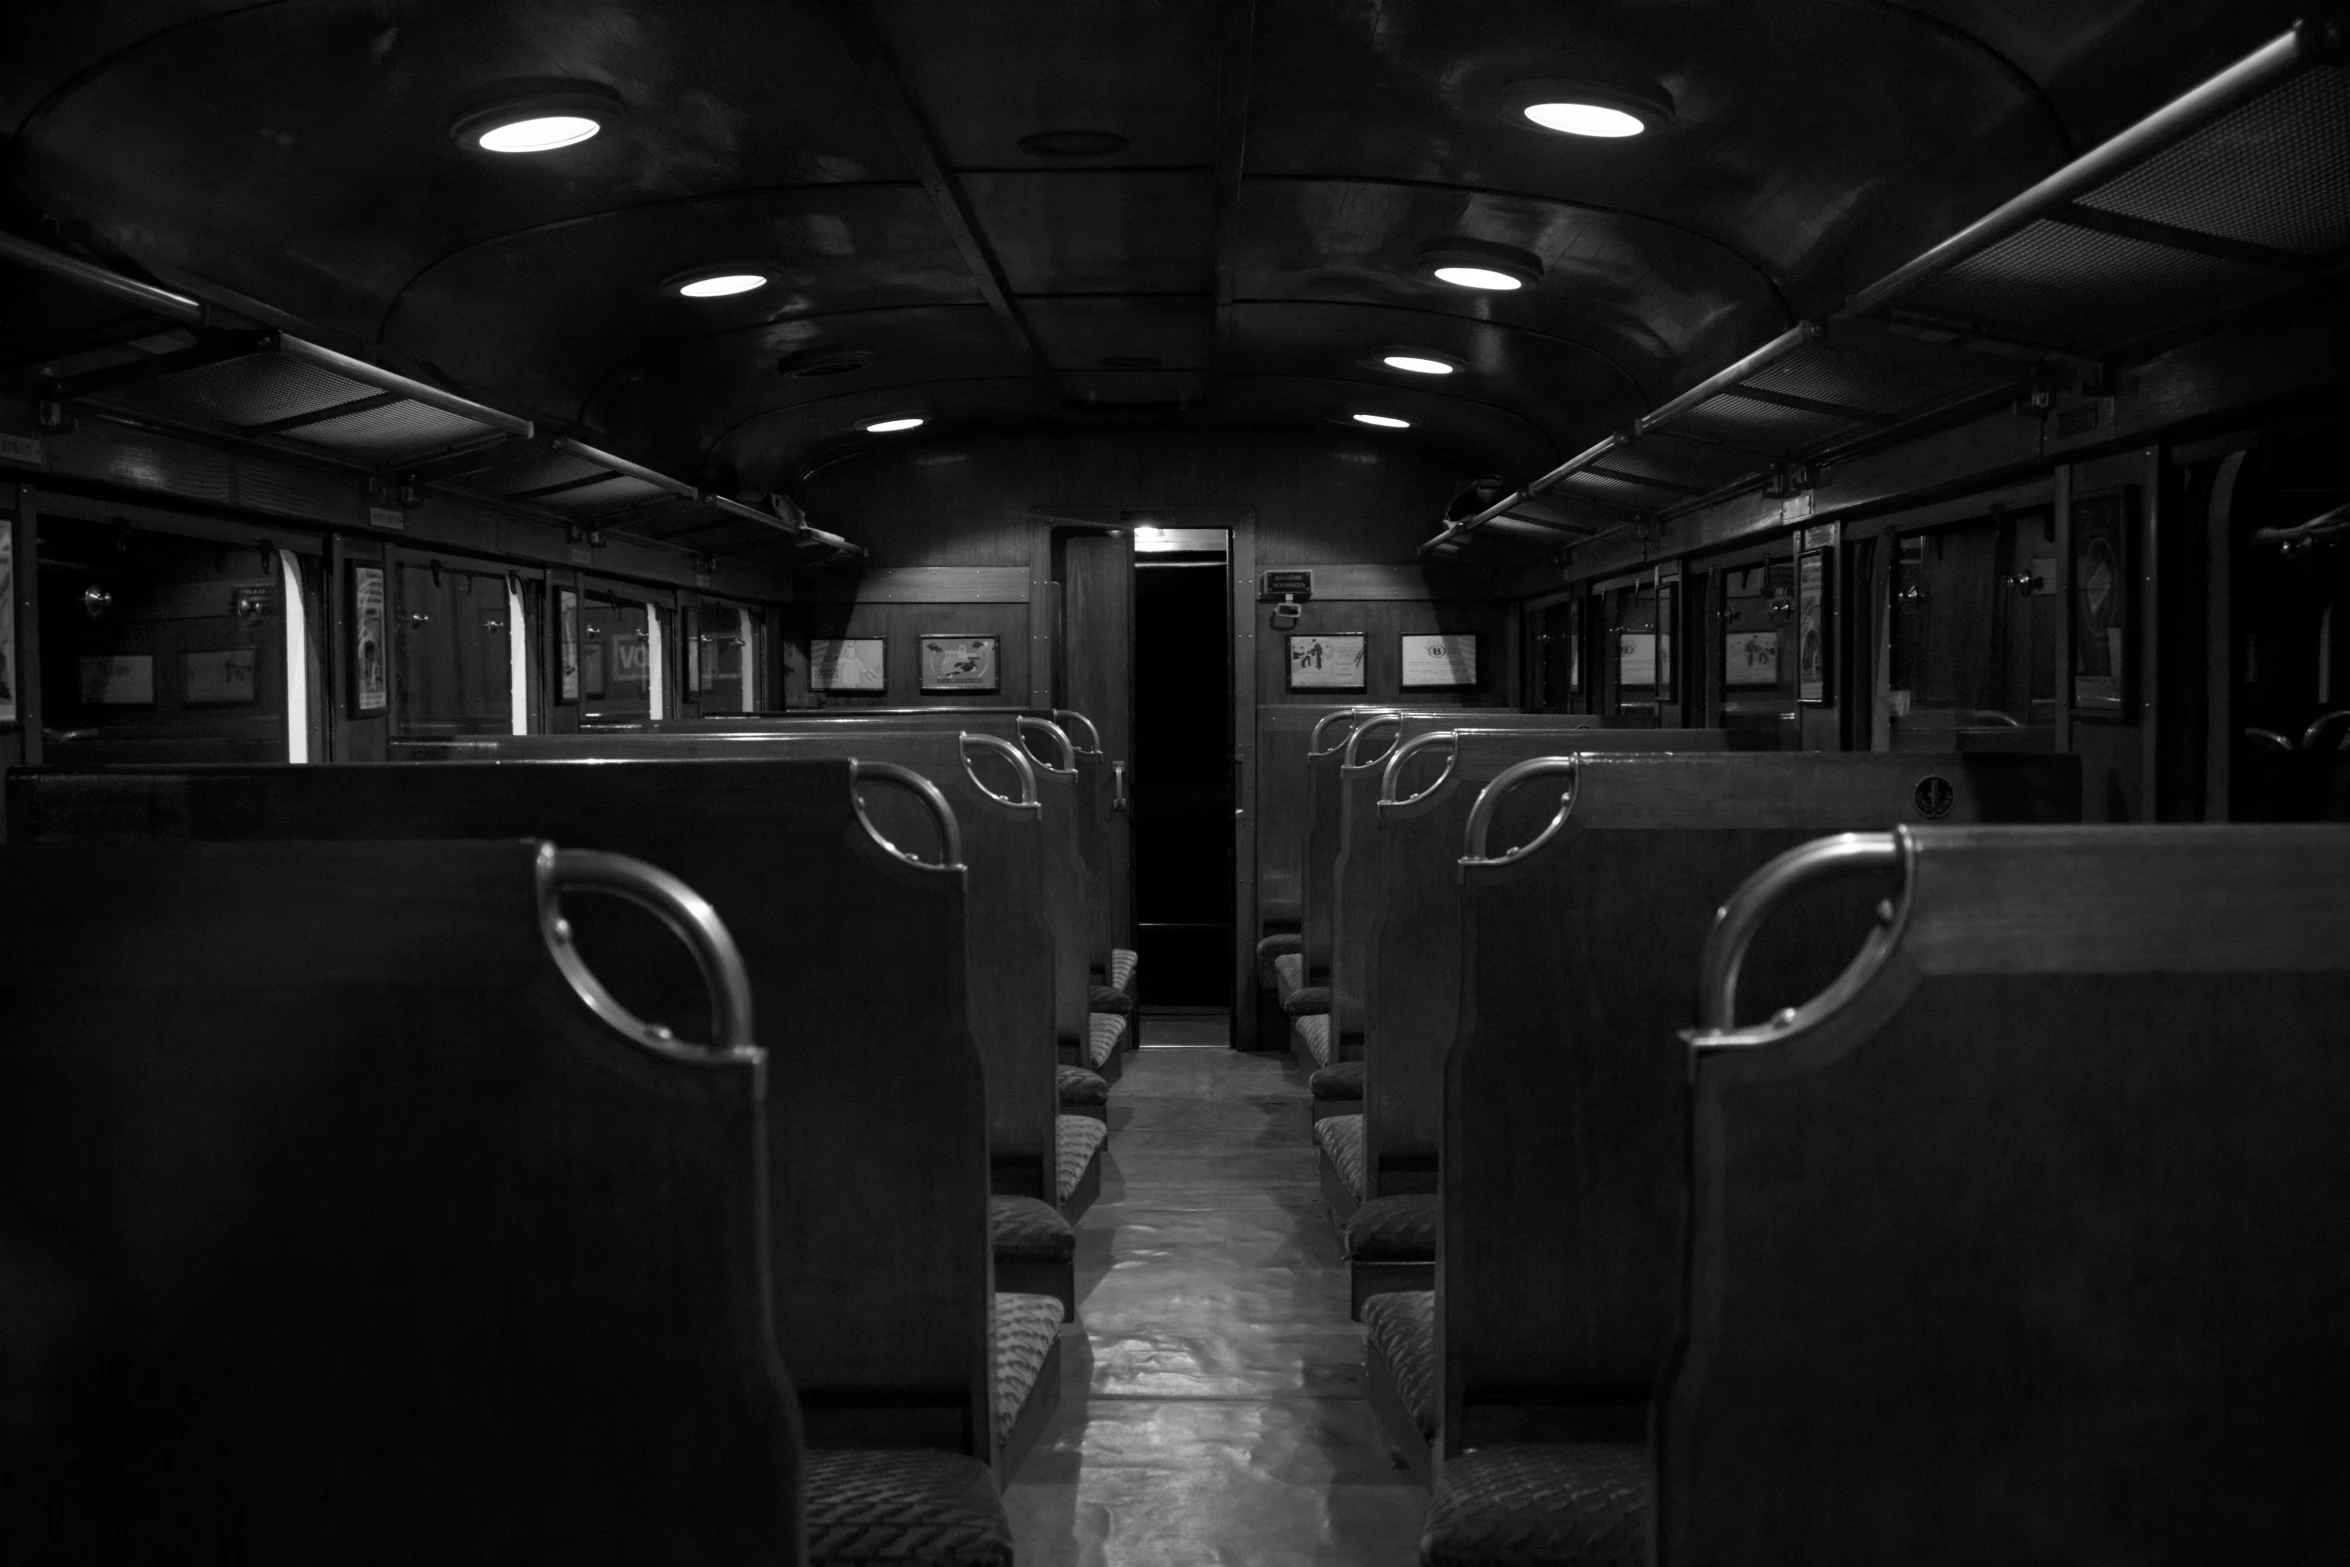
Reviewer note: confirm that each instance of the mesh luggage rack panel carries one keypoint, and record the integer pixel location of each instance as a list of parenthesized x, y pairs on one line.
[(615, 494), (394, 430), (1764, 426), (2275, 172), (259, 389), (2083, 287), (1879, 380)]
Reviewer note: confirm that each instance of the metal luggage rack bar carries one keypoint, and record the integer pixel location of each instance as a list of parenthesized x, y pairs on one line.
[(225, 380), (2188, 212)]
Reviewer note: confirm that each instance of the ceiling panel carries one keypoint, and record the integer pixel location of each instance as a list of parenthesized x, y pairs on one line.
[(1100, 231)]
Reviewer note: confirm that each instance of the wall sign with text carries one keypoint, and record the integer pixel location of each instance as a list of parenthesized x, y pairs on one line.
[(1439, 662)]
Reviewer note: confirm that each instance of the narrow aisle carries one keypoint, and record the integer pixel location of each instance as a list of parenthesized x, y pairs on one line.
[(1213, 1409)]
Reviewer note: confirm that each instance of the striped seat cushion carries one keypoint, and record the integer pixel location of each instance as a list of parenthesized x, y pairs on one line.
[(1026, 1327), (1314, 1030), (1080, 1135), (1026, 1230), (1402, 1326), (1540, 1504), (1341, 1137), (1077, 1086), (1289, 972), (1123, 965), (1104, 1033), (904, 1505), (1340, 1080), (1395, 1229), (1306, 1000)]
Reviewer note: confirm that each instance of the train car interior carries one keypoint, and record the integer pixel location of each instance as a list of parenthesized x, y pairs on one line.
[(1142, 783)]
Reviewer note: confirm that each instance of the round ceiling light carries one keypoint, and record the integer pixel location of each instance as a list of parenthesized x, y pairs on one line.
[(1383, 421), (1609, 111), (1481, 265), (722, 285), (536, 115), (1419, 361), (891, 424)]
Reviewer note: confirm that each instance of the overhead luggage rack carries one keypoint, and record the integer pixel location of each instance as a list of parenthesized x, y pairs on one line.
[(205, 377), (2235, 191)]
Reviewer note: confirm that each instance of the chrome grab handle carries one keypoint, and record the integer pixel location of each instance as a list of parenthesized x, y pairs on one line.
[(1738, 921), (1375, 721), (1314, 741), (688, 916), (1018, 755), (907, 778), (1055, 733), (1093, 736), (2269, 738), (1489, 801), (1410, 748), (2317, 729), (1118, 803)]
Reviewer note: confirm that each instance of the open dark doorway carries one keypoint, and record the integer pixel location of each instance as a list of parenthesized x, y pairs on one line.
[(1183, 771)]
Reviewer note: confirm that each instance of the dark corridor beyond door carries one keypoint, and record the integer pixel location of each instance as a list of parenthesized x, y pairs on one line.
[(1183, 767)]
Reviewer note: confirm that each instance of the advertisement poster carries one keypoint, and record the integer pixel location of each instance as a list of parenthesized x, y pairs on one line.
[(1750, 658), (1328, 663), (1811, 627), (2105, 579), (848, 664), (7, 623), (1636, 659), (370, 692), (567, 628), (221, 679), (1439, 662), (958, 664)]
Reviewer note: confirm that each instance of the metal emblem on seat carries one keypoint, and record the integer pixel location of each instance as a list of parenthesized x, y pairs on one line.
[(1934, 796)]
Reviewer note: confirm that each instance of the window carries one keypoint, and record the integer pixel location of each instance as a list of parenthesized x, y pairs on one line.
[(1972, 622), (452, 649)]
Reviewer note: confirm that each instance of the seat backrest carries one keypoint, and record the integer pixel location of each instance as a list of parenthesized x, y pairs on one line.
[(1019, 973), (337, 1224), (1286, 732), (1564, 1154), (2027, 1243), (1400, 901), (878, 1126)]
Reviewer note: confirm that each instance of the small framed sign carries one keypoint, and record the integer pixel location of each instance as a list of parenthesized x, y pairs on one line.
[(118, 680), (1441, 661), (370, 690), (1328, 662), (1750, 659), (2105, 582), (1815, 622), (226, 678), (567, 644), (959, 664), (848, 664)]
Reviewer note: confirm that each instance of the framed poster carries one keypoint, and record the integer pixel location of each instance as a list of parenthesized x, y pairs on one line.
[(848, 664), (118, 680), (1750, 659), (567, 644), (1442, 661), (369, 691), (7, 621), (959, 664), (1327, 662), (689, 632), (1815, 622), (2105, 582), (1636, 660), (225, 678)]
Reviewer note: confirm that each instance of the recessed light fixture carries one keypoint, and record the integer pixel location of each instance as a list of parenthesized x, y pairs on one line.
[(536, 115), (891, 424), (1610, 111), (1383, 421), (722, 281), (1419, 361), (1480, 264)]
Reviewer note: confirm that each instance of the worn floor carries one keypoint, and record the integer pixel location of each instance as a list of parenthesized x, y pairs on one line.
[(1212, 1409)]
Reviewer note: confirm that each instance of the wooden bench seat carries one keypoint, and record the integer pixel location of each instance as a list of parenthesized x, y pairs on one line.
[(1563, 1151), (344, 1221)]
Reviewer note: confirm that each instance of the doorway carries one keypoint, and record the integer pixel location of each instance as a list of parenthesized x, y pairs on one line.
[(1183, 769)]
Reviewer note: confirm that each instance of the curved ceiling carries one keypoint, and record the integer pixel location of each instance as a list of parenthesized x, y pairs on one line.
[(1232, 243)]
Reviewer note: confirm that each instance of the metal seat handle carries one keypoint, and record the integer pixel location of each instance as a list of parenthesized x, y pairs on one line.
[(1740, 919), (1021, 764), (907, 778), (1029, 725), (1376, 723), (1410, 748), (1488, 804), (1314, 741), (1069, 718), (688, 916)]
